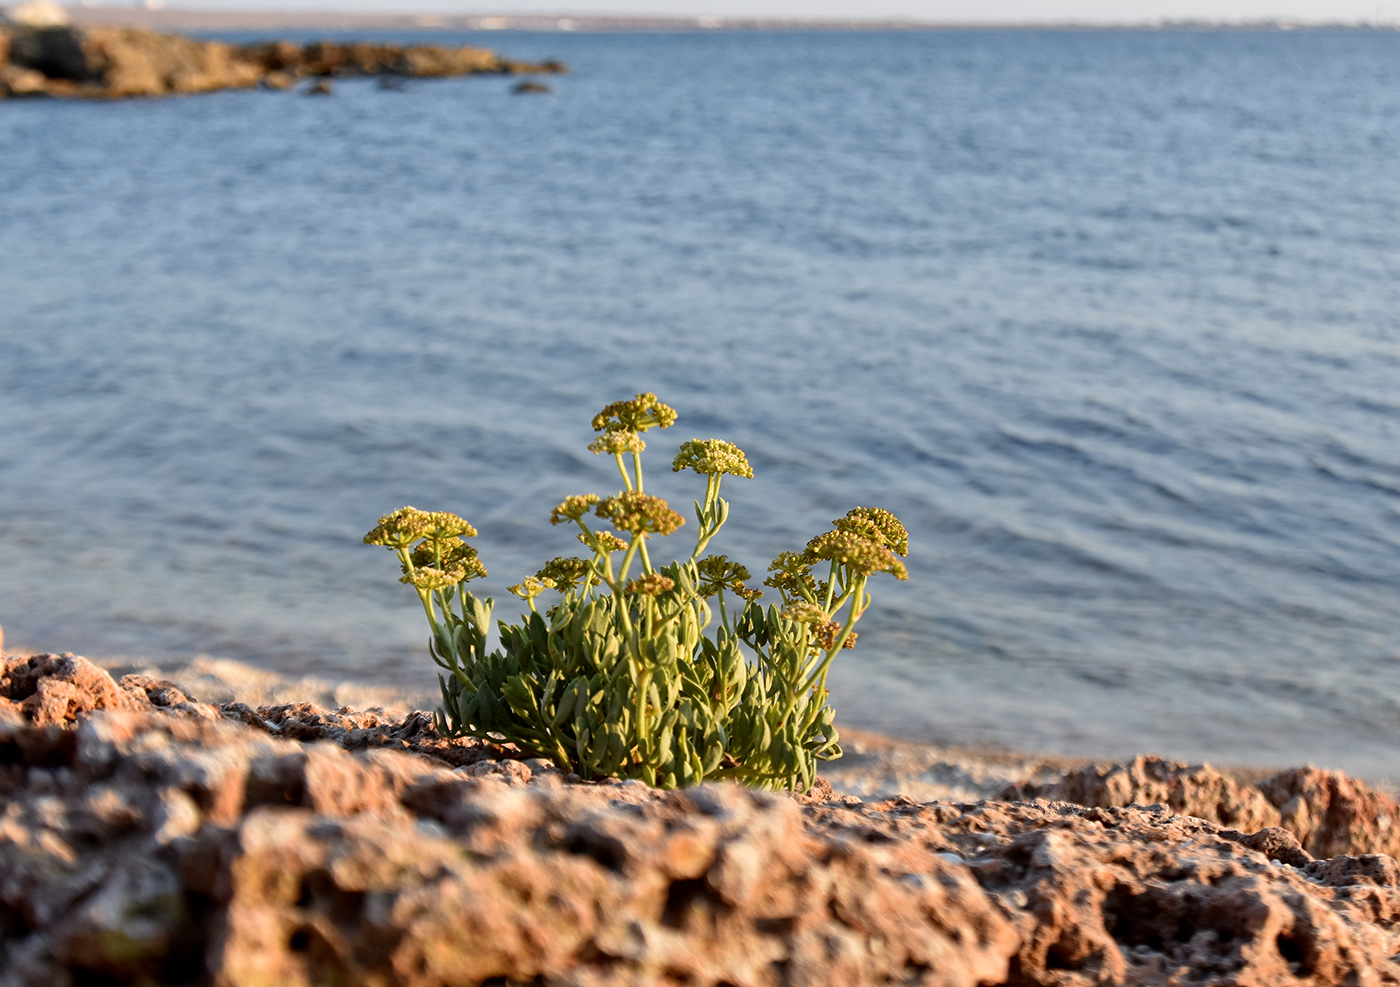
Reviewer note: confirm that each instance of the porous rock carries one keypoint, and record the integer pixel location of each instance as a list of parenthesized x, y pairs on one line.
[(149, 838), (1325, 811)]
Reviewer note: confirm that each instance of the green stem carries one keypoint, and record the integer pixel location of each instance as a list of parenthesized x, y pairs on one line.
[(830, 586), (623, 470), (627, 561), (637, 462), (818, 677)]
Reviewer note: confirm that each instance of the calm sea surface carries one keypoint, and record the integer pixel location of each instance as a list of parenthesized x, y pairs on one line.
[(1111, 320)]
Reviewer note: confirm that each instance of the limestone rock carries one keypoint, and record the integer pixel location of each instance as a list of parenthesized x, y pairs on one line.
[(1326, 812), (114, 62), (56, 52), (149, 838), (1331, 813), (1191, 790)]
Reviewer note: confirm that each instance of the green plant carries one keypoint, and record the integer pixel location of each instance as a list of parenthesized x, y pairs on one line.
[(640, 676)]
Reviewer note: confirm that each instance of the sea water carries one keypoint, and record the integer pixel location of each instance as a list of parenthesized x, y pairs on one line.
[(1110, 319)]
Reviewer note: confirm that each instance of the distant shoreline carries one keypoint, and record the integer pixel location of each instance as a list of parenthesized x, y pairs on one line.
[(216, 20)]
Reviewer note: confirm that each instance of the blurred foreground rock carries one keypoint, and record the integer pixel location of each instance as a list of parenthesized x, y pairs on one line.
[(113, 62), (150, 838)]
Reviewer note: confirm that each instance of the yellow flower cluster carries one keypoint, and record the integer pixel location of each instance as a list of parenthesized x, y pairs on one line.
[(566, 573), (530, 587), (572, 508), (712, 456), (652, 584), (717, 573), (860, 555), (877, 525), (641, 413), (428, 578), (408, 524), (805, 613), (791, 574), (455, 558), (617, 443), (602, 541), (635, 512)]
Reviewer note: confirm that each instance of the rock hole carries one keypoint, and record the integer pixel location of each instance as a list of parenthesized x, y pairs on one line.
[(680, 901), (607, 850), (1131, 919), (300, 941), (1055, 959), (1294, 952), (784, 925)]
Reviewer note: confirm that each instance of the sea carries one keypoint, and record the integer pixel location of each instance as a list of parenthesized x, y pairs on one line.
[(1109, 318)]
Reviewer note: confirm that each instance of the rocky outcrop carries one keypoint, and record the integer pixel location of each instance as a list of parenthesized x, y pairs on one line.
[(1327, 812), (113, 62), (146, 837)]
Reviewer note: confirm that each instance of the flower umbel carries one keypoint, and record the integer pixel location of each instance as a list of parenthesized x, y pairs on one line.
[(877, 525), (602, 542), (792, 573), (652, 584), (717, 572), (641, 413), (712, 456), (638, 513), (408, 524), (617, 443), (530, 587), (860, 555), (566, 573), (455, 558), (572, 508)]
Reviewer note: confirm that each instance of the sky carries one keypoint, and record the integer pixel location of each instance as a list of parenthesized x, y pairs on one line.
[(946, 11)]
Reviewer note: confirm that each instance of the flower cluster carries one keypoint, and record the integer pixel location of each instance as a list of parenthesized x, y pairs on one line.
[(717, 573), (652, 584), (877, 525), (641, 413), (617, 443), (530, 587), (602, 542), (454, 557), (572, 508), (637, 513), (805, 613), (431, 551), (860, 555), (408, 524), (792, 574), (566, 573), (712, 456)]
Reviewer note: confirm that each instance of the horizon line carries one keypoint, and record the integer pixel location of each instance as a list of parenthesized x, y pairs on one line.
[(153, 16)]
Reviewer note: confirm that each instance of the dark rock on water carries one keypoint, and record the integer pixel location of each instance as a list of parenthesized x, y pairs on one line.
[(146, 837), (529, 87), (56, 52), (111, 62), (321, 87)]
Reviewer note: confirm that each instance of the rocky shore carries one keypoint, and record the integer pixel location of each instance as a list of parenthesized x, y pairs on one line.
[(118, 62), (148, 837)]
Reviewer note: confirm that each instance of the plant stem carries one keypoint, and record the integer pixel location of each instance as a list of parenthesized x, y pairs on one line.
[(623, 470)]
